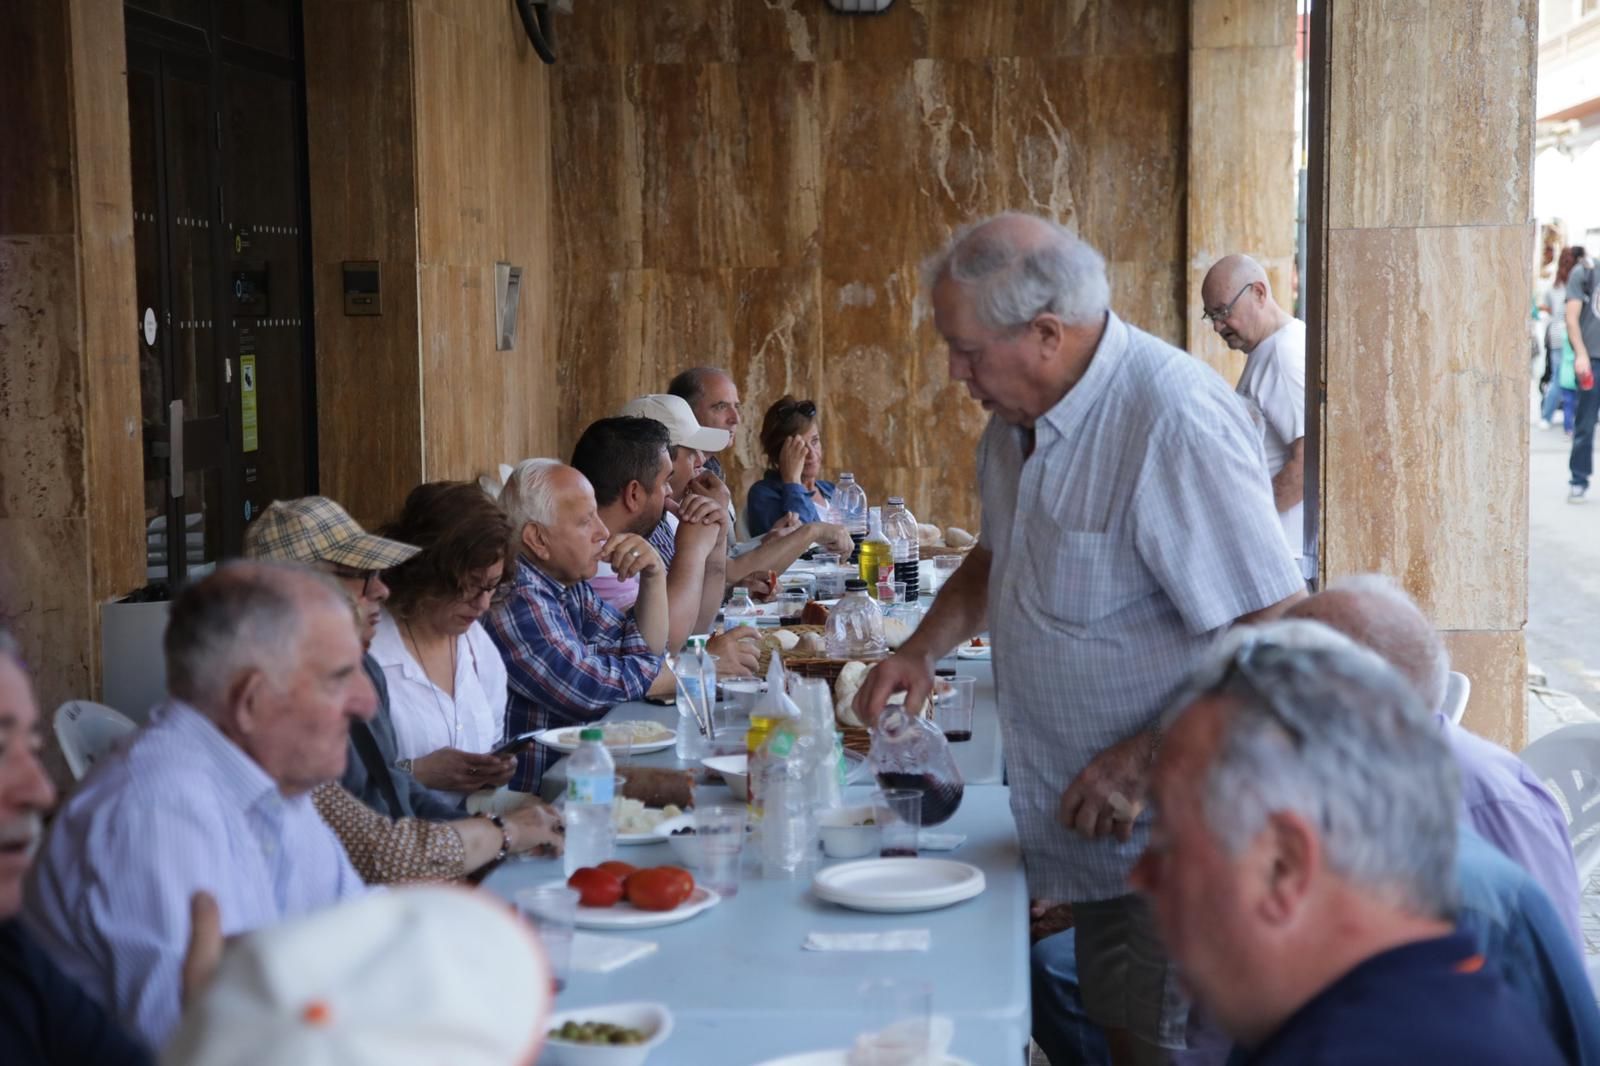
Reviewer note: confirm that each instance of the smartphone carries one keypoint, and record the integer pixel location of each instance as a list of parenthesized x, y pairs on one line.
[(516, 745)]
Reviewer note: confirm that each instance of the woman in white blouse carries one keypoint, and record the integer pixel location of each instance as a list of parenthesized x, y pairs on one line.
[(447, 684)]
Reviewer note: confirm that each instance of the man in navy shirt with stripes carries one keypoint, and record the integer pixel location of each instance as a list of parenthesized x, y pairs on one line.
[(1302, 865)]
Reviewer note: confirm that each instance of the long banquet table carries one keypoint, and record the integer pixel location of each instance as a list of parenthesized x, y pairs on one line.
[(980, 759), (742, 990)]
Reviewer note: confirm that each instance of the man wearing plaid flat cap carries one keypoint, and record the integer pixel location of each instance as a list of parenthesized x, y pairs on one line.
[(317, 532)]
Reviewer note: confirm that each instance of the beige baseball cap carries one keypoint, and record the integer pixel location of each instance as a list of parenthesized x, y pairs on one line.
[(315, 529), (683, 429), (413, 976)]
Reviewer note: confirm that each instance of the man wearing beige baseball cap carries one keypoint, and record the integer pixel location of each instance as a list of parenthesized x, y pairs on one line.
[(417, 834)]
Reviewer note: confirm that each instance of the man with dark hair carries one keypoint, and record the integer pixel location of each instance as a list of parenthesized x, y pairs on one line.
[(628, 461), (714, 398)]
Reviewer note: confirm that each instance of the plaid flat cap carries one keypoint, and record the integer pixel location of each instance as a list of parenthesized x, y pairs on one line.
[(315, 529)]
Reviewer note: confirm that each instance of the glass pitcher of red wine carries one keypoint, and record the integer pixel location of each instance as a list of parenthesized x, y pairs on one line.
[(911, 752)]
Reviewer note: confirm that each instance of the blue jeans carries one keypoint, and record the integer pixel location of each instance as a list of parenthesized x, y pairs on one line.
[(1060, 1026), (1582, 462)]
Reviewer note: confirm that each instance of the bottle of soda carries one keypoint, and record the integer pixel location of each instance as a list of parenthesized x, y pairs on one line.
[(591, 775), (850, 501), (900, 526)]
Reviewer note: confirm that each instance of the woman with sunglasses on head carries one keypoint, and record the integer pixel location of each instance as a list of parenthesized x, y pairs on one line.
[(447, 684), (793, 446)]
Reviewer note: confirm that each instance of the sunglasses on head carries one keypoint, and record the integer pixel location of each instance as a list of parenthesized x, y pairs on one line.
[(803, 408)]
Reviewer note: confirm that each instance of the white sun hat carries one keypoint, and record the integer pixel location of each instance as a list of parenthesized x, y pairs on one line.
[(417, 976)]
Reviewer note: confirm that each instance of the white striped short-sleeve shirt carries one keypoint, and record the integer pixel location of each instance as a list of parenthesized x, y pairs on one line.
[(1141, 525)]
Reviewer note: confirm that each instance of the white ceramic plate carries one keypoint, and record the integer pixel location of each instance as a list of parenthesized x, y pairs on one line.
[(628, 839), (552, 739), (895, 886), (967, 651), (841, 1057), (627, 916)]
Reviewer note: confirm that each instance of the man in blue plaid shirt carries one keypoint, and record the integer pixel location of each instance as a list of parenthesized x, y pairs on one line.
[(569, 655)]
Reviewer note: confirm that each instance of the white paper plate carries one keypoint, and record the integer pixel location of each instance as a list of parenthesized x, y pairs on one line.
[(630, 839), (627, 916), (898, 885), (548, 737), (841, 1057), (967, 651)]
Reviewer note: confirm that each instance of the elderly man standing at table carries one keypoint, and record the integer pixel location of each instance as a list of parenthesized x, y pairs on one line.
[(570, 656), (1303, 864), (214, 795), (1240, 307), (1127, 519)]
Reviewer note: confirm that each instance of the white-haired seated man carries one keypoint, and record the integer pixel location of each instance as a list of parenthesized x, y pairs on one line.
[(569, 655), (214, 794), (1302, 867)]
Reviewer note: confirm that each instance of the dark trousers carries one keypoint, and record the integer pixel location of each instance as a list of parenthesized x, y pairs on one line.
[(1582, 462)]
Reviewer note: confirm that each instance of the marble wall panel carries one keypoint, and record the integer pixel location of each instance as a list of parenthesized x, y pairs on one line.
[(1429, 92), (1497, 665), (1425, 456), (361, 143), (1241, 24), (36, 188), (47, 604), (757, 184), (42, 452)]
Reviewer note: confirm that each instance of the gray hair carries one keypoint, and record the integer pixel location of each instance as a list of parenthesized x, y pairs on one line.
[(1325, 728), (529, 494), (1014, 281), (246, 616)]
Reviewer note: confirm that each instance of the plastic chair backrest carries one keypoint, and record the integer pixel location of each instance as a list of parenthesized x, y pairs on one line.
[(1456, 692), (86, 731), (1568, 763)]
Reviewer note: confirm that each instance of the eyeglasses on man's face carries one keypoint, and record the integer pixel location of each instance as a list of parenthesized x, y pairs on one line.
[(1214, 317)]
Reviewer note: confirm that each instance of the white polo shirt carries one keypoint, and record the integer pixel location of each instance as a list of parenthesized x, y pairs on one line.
[(1274, 382)]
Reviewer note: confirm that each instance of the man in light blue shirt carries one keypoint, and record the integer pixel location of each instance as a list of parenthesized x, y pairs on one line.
[(264, 669)]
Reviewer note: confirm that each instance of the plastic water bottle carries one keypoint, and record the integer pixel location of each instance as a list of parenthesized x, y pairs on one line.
[(591, 775), (740, 610), (697, 674), (850, 500), (900, 526)]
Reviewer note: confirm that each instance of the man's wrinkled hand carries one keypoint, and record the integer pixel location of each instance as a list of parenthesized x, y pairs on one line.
[(900, 672), (738, 651), (782, 527), (1107, 797)]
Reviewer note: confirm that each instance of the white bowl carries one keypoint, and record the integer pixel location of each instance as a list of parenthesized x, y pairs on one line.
[(735, 770), (843, 835), (652, 1019), (686, 846)]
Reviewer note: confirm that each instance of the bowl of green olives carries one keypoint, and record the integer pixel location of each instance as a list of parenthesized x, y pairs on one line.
[(618, 1034)]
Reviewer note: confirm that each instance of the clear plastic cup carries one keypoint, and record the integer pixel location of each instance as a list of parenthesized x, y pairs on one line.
[(943, 567), (897, 1027), (552, 910), (721, 833), (952, 706), (901, 810)]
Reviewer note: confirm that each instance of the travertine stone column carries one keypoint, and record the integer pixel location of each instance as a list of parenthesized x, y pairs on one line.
[(1242, 181), (70, 481), (1426, 129)]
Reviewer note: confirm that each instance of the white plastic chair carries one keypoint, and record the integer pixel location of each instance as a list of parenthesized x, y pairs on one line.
[(1568, 763), (87, 731), (1456, 693)]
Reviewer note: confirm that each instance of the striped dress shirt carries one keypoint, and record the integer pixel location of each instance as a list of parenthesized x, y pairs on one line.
[(1140, 525), (570, 657), (179, 809)]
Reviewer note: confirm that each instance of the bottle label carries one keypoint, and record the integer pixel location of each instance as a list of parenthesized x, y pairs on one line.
[(589, 788), (782, 744)]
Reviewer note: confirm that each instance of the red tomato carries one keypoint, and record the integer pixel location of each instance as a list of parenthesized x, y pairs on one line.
[(660, 888), (596, 887), (619, 870)]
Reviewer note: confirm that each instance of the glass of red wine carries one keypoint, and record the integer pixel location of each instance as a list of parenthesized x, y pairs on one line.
[(901, 812)]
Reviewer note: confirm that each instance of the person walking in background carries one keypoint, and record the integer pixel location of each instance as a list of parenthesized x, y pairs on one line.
[(1582, 313), (1561, 388)]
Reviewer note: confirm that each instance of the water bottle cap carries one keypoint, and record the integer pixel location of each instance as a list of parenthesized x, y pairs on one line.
[(897, 501), (855, 584), (740, 590), (697, 643), (592, 733), (845, 475)]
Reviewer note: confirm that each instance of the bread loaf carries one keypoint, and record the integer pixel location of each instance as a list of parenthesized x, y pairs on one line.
[(956, 537)]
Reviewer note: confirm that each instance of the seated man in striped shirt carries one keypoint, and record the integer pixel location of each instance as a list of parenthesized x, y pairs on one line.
[(569, 655), (213, 795)]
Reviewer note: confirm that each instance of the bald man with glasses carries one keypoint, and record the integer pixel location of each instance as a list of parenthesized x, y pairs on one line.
[(1239, 306)]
